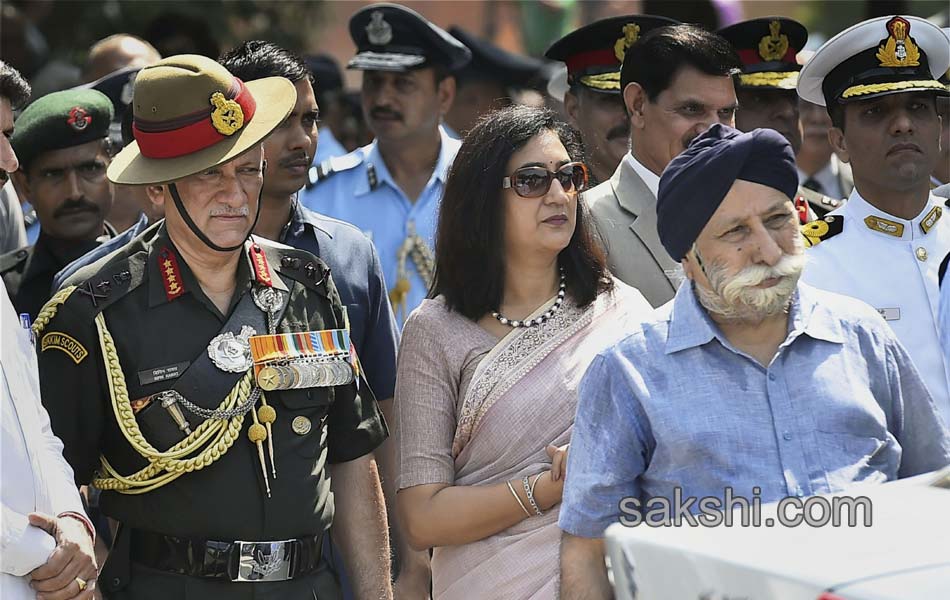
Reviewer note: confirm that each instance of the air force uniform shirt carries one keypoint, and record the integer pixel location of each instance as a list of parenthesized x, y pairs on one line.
[(358, 188), (891, 264)]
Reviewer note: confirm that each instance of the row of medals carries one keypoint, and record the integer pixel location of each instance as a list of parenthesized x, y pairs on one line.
[(299, 374)]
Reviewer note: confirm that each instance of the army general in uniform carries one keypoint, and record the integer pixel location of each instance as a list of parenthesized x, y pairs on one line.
[(203, 378)]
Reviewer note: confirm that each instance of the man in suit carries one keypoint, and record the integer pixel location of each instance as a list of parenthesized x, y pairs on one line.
[(676, 82)]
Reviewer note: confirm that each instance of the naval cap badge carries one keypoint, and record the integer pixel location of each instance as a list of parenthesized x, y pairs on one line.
[(232, 353), (379, 32)]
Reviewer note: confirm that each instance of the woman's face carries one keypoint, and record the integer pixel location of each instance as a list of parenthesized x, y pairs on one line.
[(546, 223)]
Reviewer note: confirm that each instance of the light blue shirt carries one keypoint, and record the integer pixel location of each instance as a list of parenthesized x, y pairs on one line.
[(676, 405), (327, 146), (367, 196)]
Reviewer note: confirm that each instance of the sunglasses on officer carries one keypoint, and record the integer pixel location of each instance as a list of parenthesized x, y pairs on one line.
[(534, 182)]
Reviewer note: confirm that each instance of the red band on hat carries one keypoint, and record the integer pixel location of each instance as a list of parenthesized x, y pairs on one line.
[(191, 138), (751, 57), (594, 58)]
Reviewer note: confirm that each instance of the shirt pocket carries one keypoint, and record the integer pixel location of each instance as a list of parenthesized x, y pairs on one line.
[(849, 457), (301, 418)]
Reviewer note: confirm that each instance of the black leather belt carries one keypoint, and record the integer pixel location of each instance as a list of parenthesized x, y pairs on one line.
[(229, 561)]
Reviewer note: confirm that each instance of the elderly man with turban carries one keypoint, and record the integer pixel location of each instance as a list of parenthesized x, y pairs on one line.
[(748, 380)]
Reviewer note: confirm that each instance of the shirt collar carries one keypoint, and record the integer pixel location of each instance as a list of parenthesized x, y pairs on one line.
[(827, 176), (448, 147), (651, 179), (691, 326), (885, 225), (157, 293), (300, 218)]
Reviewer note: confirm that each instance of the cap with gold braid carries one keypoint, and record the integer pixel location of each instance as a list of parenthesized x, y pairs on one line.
[(886, 55), (191, 114), (594, 53), (767, 48)]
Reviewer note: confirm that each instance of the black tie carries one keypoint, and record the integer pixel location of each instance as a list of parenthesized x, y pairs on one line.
[(813, 184)]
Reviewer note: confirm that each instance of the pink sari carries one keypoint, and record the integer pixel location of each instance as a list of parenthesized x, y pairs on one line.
[(523, 396)]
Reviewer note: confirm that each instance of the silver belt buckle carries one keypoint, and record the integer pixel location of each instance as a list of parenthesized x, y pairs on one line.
[(264, 561)]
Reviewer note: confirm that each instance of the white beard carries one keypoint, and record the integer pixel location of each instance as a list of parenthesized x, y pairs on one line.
[(737, 299)]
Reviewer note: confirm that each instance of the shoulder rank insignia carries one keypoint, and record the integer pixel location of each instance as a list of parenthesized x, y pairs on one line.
[(371, 177), (171, 275), (899, 49), (931, 219), (64, 343), (334, 164), (883, 225), (822, 229)]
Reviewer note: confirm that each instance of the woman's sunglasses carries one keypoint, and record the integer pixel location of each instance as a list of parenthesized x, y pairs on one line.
[(533, 182)]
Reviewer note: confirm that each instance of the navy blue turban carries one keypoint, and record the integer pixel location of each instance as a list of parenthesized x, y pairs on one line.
[(695, 183)]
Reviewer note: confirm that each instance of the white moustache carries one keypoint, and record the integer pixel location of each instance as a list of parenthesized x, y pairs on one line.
[(227, 211)]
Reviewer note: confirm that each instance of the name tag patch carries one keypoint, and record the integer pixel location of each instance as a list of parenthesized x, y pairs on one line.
[(159, 374), (64, 343), (890, 314)]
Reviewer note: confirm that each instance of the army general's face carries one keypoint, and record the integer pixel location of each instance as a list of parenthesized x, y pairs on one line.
[(222, 201), (891, 141), (544, 224), (770, 109), (289, 149), (664, 127), (400, 106), (69, 190)]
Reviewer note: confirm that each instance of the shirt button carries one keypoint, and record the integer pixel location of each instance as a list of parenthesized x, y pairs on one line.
[(771, 376), (786, 436), (799, 492)]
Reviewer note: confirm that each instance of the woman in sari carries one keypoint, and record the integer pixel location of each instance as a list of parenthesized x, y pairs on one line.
[(489, 366)]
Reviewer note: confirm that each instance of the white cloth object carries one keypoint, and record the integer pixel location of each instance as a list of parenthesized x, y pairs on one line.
[(35, 476), (895, 275)]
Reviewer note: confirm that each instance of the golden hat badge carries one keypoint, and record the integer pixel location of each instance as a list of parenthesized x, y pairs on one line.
[(227, 116), (631, 33), (775, 45), (899, 49)]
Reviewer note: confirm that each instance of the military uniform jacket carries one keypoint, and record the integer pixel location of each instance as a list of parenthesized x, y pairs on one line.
[(624, 212), (158, 331), (28, 272), (891, 264)]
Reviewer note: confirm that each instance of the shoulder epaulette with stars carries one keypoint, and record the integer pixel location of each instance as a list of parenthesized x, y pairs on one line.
[(822, 229), (819, 202)]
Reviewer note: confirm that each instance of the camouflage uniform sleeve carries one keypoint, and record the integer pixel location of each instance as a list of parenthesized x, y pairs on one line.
[(72, 385)]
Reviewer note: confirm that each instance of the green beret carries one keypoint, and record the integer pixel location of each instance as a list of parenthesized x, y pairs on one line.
[(61, 120)]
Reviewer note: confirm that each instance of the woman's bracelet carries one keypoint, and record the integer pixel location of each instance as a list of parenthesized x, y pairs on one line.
[(535, 482), (529, 491), (518, 498)]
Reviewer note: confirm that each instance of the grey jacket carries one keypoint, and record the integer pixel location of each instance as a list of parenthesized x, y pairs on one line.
[(624, 211)]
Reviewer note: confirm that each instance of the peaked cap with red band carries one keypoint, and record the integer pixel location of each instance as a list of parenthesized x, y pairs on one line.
[(767, 48), (190, 114), (593, 54)]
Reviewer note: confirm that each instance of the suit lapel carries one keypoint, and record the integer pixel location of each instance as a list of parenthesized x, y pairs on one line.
[(635, 197)]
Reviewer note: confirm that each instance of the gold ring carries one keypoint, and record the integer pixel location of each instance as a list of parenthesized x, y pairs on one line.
[(82, 583)]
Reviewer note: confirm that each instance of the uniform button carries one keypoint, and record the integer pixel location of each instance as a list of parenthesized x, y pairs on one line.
[(921, 254), (786, 436), (771, 376), (301, 425), (116, 582)]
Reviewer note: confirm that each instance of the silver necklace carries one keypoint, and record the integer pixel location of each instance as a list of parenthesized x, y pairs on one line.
[(514, 323)]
